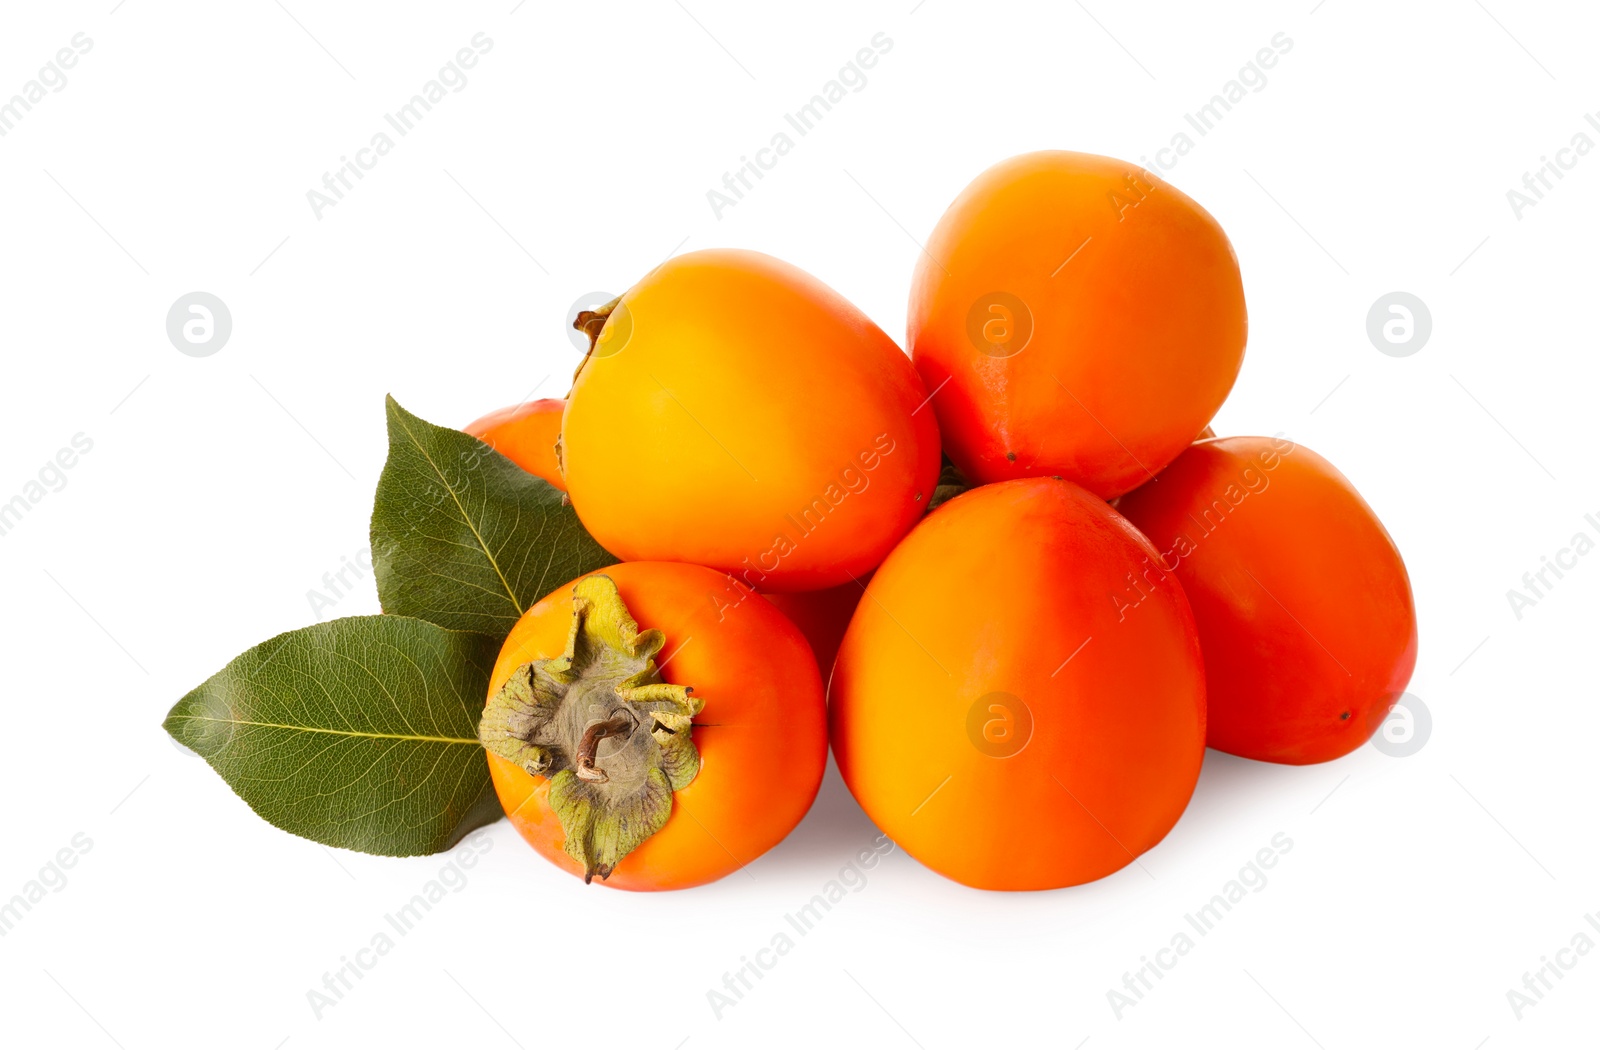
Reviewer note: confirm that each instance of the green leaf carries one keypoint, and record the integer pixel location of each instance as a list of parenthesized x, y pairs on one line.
[(465, 538), (360, 733)]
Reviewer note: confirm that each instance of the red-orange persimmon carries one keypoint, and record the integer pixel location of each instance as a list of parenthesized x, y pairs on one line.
[(1303, 604)]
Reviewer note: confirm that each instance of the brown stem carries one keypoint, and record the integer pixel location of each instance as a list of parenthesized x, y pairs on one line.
[(589, 322), (583, 762)]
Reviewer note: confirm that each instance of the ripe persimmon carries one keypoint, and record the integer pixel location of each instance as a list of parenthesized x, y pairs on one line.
[(1303, 604), (527, 435), (654, 775), (735, 412), (1078, 317), (1019, 702)]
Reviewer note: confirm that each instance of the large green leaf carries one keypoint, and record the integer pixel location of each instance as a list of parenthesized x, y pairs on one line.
[(465, 538), (360, 733)]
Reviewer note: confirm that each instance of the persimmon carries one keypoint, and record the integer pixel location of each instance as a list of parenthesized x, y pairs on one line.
[(735, 412), (1301, 598), (1078, 317), (822, 617), (654, 775), (527, 435), (1019, 701)]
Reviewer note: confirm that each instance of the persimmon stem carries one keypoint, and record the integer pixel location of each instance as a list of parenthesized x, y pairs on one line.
[(589, 745), (589, 322)]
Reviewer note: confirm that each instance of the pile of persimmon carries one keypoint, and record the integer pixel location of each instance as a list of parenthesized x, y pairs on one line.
[(1026, 642)]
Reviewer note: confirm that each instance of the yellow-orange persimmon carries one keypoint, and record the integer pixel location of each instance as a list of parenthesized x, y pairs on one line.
[(1019, 702), (736, 412), (526, 434), (655, 725), (1078, 317)]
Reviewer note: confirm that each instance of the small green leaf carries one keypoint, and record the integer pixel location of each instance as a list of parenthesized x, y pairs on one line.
[(360, 733), (465, 538)]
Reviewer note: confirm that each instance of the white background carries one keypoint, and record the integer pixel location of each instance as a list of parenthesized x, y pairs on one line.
[(220, 490)]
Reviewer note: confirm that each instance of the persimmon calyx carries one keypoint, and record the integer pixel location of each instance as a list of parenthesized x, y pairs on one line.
[(598, 722), (951, 484)]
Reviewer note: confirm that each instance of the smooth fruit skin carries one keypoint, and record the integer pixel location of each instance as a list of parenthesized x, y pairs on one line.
[(762, 734), (1024, 588), (1079, 318), (822, 617), (740, 414), (1303, 604), (526, 434), (1116, 501)]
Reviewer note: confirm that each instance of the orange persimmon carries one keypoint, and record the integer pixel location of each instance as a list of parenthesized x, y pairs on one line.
[(1077, 317), (1017, 703), (654, 774), (526, 434), (1303, 604), (736, 412)]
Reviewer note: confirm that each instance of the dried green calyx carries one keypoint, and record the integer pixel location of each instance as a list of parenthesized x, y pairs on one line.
[(601, 725)]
